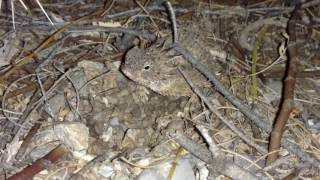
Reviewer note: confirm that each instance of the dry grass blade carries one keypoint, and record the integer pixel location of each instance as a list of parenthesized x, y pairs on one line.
[(173, 21), (23, 5), (12, 14), (42, 9), (214, 110), (252, 116), (52, 38), (78, 92)]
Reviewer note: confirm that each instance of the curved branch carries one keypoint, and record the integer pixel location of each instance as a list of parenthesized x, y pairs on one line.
[(287, 103)]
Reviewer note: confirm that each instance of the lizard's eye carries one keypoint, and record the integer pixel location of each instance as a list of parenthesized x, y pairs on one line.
[(146, 67)]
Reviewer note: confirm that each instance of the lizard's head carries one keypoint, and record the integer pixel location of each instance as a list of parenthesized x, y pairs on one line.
[(150, 67), (144, 66)]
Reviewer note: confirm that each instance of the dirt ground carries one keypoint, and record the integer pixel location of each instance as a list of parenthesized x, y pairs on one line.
[(179, 90)]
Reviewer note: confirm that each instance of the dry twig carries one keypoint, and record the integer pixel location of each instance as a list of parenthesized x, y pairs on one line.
[(220, 163), (220, 116), (40, 164), (252, 116), (287, 104)]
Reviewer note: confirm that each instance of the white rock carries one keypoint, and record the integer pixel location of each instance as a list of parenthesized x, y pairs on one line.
[(75, 136), (105, 171), (183, 171)]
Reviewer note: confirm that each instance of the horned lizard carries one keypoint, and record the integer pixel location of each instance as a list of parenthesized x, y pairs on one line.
[(156, 68)]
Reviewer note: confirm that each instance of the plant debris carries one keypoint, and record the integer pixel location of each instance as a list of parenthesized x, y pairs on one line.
[(159, 90)]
